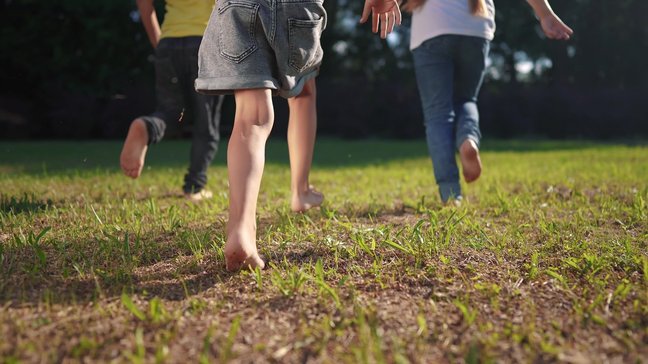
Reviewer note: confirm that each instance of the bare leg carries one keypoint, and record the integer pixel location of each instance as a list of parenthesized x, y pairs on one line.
[(133, 153), (302, 127), (470, 161), (245, 160)]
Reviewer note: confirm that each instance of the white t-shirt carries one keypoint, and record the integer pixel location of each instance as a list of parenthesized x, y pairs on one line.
[(439, 17)]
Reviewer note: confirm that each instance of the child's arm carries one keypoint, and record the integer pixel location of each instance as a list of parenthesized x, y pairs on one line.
[(150, 21), (551, 24), (386, 12)]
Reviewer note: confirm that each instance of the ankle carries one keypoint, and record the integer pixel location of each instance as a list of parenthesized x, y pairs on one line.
[(241, 228), (300, 189), (139, 129), (469, 143)]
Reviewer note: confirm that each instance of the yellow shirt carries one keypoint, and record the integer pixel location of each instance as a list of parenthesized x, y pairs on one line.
[(185, 18)]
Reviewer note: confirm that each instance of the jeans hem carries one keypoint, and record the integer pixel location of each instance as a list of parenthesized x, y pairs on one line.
[(192, 189), (154, 134), (474, 138), (449, 190)]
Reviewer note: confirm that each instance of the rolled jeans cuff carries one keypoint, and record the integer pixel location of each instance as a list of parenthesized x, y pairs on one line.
[(463, 138), (155, 127)]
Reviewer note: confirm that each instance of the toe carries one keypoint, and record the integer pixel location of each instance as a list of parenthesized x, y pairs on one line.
[(251, 262)]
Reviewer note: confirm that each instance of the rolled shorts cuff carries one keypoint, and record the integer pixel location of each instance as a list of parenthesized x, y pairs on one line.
[(299, 84), (227, 85)]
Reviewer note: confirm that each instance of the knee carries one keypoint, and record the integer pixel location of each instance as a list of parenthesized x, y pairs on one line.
[(258, 120), (254, 122), (254, 111)]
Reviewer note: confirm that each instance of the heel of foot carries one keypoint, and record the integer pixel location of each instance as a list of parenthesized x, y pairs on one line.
[(240, 249), (134, 151), (311, 199), (470, 161)]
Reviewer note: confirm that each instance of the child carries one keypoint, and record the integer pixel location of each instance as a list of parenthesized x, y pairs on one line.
[(176, 67), (450, 44), (253, 49), (302, 126)]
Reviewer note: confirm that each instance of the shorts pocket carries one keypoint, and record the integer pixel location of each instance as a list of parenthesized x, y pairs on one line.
[(304, 41), (236, 29)]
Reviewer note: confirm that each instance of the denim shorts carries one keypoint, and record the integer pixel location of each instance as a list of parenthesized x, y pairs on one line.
[(271, 44)]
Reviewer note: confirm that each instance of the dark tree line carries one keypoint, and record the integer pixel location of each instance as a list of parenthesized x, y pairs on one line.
[(77, 68)]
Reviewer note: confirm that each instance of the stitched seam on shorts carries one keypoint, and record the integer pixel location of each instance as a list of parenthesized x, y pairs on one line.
[(273, 31)]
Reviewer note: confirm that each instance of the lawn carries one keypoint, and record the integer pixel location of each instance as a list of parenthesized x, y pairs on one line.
[(545, 262)]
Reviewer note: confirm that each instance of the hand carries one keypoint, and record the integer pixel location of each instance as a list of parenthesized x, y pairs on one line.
[(386, 12), (554, 28)]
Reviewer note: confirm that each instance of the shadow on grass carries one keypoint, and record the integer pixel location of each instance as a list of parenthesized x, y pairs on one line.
[(156, 264), (85, 269), (61, 157), (26, 203), (26, 283)]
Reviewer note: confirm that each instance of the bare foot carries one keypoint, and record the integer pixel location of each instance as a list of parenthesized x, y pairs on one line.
[(470, 161), (307, 200), (454, 202), (134, 150), (199, 196), (241, 252)]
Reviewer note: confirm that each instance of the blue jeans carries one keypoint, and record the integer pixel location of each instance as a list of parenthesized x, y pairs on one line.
[(449, 72), (176, 68)]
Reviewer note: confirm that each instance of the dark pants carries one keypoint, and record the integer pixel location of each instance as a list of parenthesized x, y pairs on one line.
[(176, 68)]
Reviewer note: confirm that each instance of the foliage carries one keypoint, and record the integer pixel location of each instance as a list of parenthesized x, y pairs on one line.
[(84, 46), (605, 51), (74, 68)]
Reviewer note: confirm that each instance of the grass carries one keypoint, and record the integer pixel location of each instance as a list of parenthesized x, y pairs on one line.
[(545, 262)]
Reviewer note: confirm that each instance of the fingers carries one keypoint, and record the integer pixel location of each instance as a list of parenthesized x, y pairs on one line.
[(562, 34), (568, 31), (552, 34), (555, 29), (384, 27), (388, 21), (365, 12), (391, 22), (398, 16), (382, 20), (562, 31), (375, 20)]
